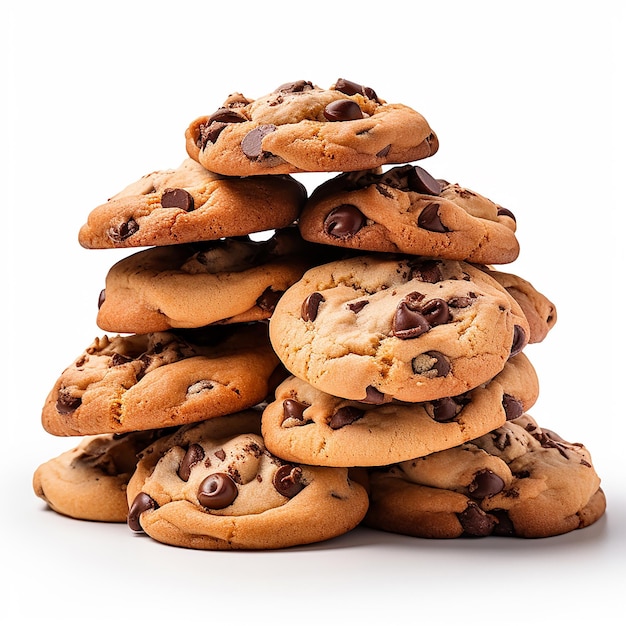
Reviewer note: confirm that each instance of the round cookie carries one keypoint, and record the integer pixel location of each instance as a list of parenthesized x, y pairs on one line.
[(158, 380), (519, 480), (300, 127), (539, 311), (305, 425), (196, 284), (398, 328), (406, 210), (189, 204), (89, 481), (214, 486)]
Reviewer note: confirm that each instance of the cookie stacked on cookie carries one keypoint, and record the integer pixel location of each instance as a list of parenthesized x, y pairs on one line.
[(289, 363)]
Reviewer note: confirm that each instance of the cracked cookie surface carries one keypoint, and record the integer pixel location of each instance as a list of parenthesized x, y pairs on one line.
[(189, 204), (519, 480), (406, 210), (157, 380), (215, 486), (300, 127), (397, 328)]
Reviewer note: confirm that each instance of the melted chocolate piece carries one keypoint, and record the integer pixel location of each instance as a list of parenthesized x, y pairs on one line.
[(436, 312), (503, 211), (408, 323), (357, 307), (485, 484), (295, 86), (519, 340), (194, 454), (217, 491), (252, 142), (311, 306), (513, 408), (343, 111), (177, 198), (142, 503), (66, 402), (351, 88), (373, 396), (429, 219), (344, 221), (288, 480), (504, 526), (421, 181), (268, 300), (123, 231), (445, 409), (475, 522), (345, 416), (225, 115), (426, 271), (292, 409)]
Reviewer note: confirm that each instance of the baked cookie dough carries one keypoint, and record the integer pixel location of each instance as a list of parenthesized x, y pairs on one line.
[(89, 481), (305, 425), (192, 285), (518, 481), (398, 328), (406, 210), (159, 380), (214, 486), (189, 204), (300, 127)]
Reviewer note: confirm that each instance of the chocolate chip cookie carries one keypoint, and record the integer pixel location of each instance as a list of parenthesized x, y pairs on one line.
[(192, 285), (304, 425), (189, 204), (519, 480), (215, 486), (407, 210), (403, 328), (89, 481), (159, 380), (300, 127)]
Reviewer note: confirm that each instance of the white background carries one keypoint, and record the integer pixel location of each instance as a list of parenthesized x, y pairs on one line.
[(527, 101)]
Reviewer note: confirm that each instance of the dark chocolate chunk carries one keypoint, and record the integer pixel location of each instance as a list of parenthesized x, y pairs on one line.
[(408, 323), (444, 409), (485, 484), (475, 522), (429, 219), (66, 402), (268, 300), (373, 396), (194, 454), (513, 408), (292, 409), (288, 480), (436, 312), (217, 491), (311, 305), (345, 416), (295, 86), (344, 221), (252, 142), (226, 116), (142, 503), (426, 271), (123, 231), (503, 211), (177, 198), (504, 526), (351, 88), (519, 340), (357, 307), (343, 111), (420, 181)]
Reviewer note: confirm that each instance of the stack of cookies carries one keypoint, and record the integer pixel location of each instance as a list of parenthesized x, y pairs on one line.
[(287, 363)]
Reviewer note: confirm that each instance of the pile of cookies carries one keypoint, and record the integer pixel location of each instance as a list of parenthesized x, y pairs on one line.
[(286, 363)]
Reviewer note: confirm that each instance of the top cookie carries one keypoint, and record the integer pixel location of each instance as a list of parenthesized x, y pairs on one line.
[(189, 204), (300, 127), (407, 210)]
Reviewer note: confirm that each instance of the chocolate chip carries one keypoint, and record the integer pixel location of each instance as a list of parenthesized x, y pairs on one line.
[(66, 402), (142, 503), (436, 312), (373, 396), (310, 306), (485, 484), (431, 361), (217, 491), (177, 198), (429, 219), (123, 231), (252, 142), (345, 416), (194, 454), (460, 302), (504, 526), (226, 116), (357, 307), (519, 340), (268, 300), (102, 298), (408, 323), (351, 88), (208, 133), (294, 410), (295, 87), (426, 271), (475, 522), (503, 211), (118, 359), (343, 111), (444, 409), (420, 181), (344, 221), (513, 408), (220, 454), (288, 480), (384, 152)]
